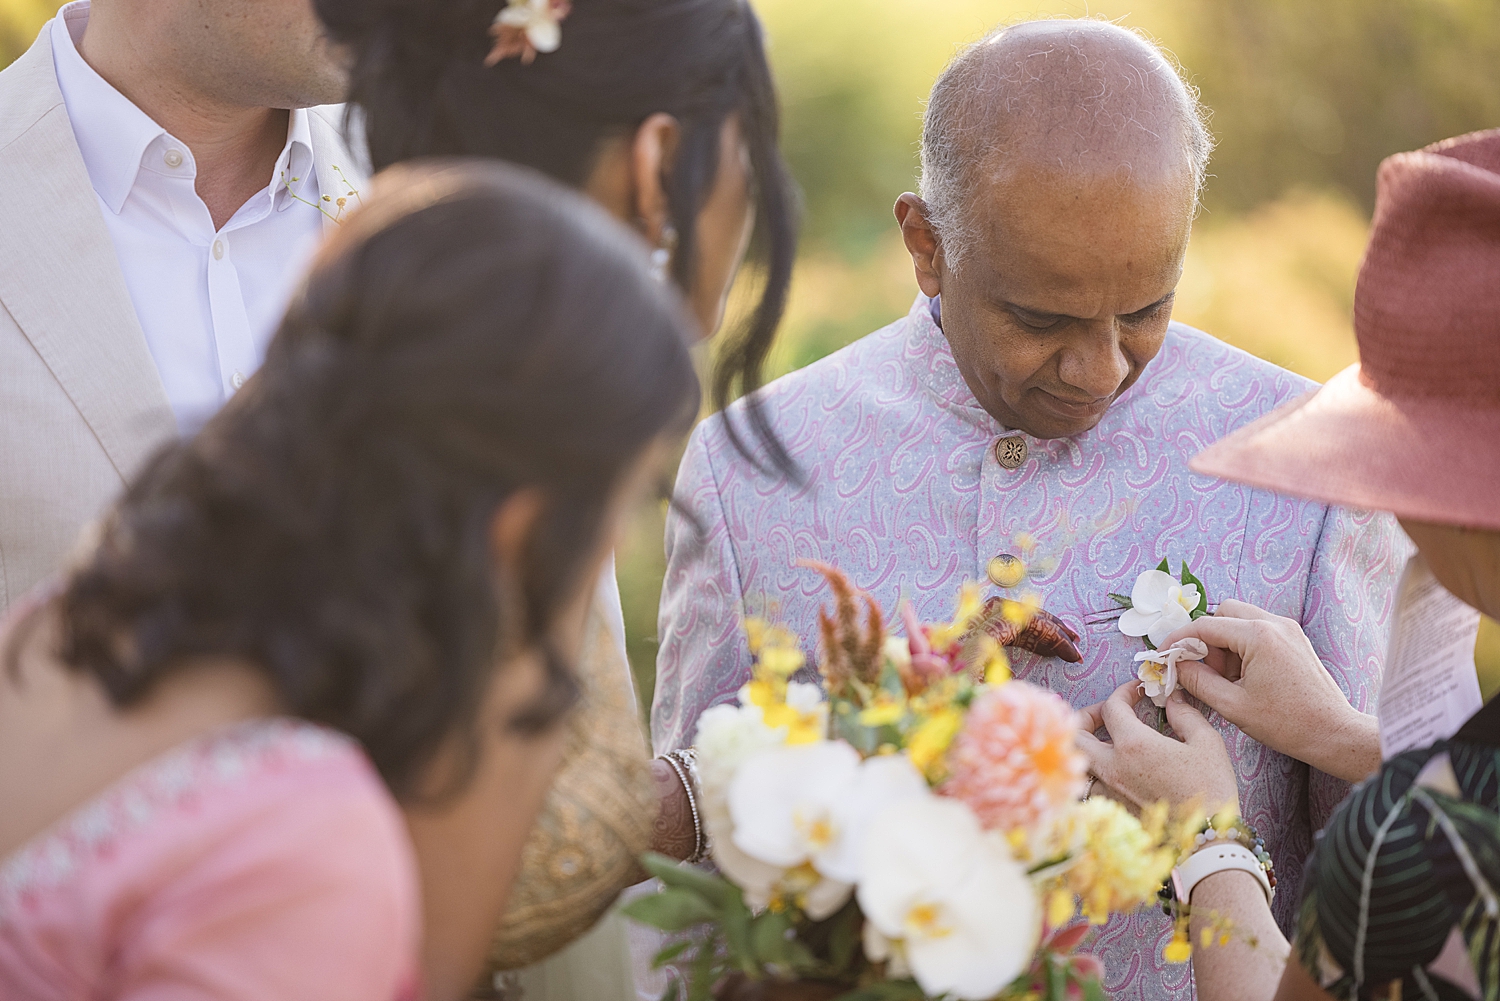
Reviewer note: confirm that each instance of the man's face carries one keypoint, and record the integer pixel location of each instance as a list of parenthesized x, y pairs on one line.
[(1068, 294)]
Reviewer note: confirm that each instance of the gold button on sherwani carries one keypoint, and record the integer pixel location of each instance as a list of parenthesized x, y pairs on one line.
[(1010, 451)]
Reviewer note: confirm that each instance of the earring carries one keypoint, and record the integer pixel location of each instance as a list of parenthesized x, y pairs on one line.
[(661, 257)]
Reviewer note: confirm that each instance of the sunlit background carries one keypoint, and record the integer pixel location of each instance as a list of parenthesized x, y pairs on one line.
[(1307, 98)]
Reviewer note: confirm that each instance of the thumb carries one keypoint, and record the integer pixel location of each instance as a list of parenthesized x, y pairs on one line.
[(1211, 688), (1188, 721)]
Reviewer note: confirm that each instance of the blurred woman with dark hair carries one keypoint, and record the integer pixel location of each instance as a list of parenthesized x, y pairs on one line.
[(664, 112), (359, 591)]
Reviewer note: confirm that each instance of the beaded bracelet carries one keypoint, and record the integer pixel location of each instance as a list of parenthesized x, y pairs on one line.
[(1237, 831), (685, 763)]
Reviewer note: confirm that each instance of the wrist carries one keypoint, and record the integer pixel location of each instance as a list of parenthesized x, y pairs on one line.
[(1349, 749)]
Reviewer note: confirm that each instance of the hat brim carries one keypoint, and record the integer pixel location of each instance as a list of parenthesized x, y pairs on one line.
[(1435, 460)]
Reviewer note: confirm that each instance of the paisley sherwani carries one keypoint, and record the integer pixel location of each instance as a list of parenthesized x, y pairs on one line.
[(905, 491)]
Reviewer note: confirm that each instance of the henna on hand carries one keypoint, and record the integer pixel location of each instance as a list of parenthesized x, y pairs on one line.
[(673, 834)]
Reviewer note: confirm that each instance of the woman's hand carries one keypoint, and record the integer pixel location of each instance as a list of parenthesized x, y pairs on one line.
[(1263, 676), (1140, 766)]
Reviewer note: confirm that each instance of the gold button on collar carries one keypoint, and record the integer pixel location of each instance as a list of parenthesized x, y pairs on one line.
[(1006, 570), (1010, 451)]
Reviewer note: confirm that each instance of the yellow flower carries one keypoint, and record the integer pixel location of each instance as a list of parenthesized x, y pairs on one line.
[(994, 664), (1117, 864), (883, 711), (1020, 613), (1179, 950), (1060, 908), (800, 708), (777, 652), (944, 635), (928, 745)]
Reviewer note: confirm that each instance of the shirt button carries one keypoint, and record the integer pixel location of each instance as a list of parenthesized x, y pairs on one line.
[(1006, 570), (218, 250), (1010, 452), (173, 158), (237, 380)]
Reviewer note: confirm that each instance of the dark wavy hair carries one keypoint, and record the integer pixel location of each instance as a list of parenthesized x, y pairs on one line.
[(474, 331), (422, 89)]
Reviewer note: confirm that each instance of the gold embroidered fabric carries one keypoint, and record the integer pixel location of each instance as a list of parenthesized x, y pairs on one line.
[(597, 820)]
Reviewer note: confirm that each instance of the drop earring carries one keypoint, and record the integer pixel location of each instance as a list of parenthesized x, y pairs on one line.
[(661, 257)]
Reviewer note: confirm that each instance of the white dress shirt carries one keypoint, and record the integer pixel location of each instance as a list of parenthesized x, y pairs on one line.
[(208, 300)]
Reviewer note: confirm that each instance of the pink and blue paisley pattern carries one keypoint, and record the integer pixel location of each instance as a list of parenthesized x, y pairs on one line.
[(904, 493)]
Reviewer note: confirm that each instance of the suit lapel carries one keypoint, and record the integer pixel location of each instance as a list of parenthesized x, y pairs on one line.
[(59, 277), (341, 175)]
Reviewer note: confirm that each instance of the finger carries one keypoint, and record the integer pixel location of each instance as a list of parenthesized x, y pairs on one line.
[(1188, 721), (1101, 755), (1231, 608), (1119, 712), (1232, 634), (1090, 719), (1211, 688), (1226, 662)]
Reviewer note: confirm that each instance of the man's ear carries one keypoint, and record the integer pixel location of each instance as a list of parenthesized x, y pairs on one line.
[(653, 151), (921, 242)]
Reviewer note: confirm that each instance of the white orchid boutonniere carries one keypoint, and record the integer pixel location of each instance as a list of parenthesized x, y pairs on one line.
[(1158, 670), (1159, 605), (525, 27)]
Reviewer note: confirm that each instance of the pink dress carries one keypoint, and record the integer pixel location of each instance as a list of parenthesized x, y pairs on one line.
[(265, 860)]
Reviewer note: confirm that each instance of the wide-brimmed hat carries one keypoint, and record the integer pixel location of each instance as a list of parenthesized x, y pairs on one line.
[(1414, 428)]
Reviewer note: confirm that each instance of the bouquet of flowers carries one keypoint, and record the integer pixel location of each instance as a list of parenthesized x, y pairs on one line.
[(911, 829)]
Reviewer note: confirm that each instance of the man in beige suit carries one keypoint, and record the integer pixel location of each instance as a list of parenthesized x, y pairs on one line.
[(165, 173)]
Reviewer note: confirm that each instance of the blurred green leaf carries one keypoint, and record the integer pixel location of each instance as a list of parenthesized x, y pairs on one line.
[(670, 953), (886, 990), (712, 887), (672, 909)]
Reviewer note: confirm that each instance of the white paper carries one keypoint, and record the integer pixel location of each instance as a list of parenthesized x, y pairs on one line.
[(1429, 688)]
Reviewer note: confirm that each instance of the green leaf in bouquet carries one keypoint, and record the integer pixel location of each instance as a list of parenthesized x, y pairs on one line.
[(673, 991), (735, 920), (886, 990), (673, 909), (670, 953), (702, 979), (843, 938), (1057, 980), (769, 934), (714, 888), (1123, 600), (1092, 989), (1188, 578), (846, 726), (1164, 566)]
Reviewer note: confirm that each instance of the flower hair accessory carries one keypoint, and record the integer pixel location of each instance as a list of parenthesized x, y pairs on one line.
[(525, 27)]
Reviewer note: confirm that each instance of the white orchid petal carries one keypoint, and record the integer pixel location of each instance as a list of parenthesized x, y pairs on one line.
[(825, 899), (1138, 622), (882, 781), (779, 795), (1173, 617), (514, 17), (1150, 591), (544, 35)]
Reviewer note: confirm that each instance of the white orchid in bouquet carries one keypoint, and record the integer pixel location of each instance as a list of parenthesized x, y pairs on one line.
[(913, 832)]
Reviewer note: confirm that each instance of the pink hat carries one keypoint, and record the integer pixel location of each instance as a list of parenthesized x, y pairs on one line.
[(1414, 428)]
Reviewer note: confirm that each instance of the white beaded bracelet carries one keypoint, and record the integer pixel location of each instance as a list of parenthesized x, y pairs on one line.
[(685, 764)]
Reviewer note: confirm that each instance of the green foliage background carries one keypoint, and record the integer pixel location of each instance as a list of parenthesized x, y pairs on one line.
[(1307, 98)]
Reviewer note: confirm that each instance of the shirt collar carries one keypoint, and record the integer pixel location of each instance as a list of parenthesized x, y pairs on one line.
[(112, 133)]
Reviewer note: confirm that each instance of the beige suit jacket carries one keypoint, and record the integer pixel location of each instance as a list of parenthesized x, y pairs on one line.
[(81, 404)]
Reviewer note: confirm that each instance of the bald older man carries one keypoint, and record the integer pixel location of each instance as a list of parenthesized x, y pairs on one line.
[(1029, 424)]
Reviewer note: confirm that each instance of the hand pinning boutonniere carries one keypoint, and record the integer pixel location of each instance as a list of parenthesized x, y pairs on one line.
[(1159, 605)]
